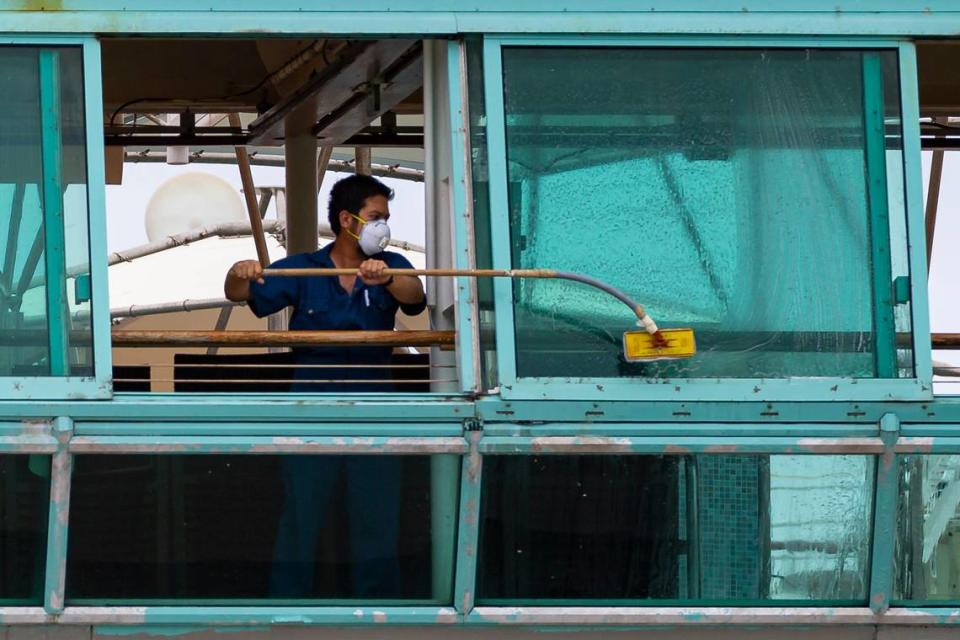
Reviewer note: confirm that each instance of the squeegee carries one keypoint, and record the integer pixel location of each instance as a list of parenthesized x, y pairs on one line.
[(652, 343)]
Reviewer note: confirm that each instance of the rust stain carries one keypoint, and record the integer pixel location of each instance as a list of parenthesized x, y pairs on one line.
[(721, 448), (42, 5)]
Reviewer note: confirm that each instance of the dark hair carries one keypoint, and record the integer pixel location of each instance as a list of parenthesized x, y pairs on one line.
[(351, 193)]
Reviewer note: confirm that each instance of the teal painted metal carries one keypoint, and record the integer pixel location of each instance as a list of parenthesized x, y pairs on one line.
[(929, 444), (291, 429), (468, 340), (706, 432), (97, 218), (468, 534), (876, 166), (916, 232), (499, 211), (57, 522), (261, 415), (252, 445), (64, 386), (730, 390), (884, 518), (739, 414), (55, 274), (878, 17), (247, 408), (676, 445)]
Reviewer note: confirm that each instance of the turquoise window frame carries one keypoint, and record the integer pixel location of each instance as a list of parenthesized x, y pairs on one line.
[(708, 389), (99, 386)]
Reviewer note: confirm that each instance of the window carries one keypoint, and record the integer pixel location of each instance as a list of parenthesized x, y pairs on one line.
[(743, 529), (928, 529), (24, 493), (756, 195), (45, 275), (295, 527), (374, 106)]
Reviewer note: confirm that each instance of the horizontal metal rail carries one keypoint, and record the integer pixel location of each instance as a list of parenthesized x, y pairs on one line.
[(652, 616), (206, 445)]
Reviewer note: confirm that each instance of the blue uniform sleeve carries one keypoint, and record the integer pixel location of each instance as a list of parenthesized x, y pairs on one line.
[(397, 261), (277, 292)]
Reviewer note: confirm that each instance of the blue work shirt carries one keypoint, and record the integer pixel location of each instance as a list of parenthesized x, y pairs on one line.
[(320, 303)]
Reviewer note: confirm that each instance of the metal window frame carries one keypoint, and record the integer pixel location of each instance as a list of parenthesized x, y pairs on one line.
[(62, 439), (707, 389), (100, 385)]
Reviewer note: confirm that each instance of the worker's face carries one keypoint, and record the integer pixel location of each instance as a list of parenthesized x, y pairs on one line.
[(374, 208)]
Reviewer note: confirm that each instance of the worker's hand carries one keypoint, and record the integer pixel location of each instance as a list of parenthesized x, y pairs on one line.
[(371, 272), (247, 270)]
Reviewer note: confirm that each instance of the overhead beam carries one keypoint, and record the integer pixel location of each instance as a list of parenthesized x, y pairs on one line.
[(376, 98), (354, 72)]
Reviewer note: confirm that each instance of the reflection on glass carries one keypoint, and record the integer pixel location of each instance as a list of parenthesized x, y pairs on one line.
[(480, 176), (928, 528), (727, 190), (253, 527), (24, 499), (733, 529), (44, 302)]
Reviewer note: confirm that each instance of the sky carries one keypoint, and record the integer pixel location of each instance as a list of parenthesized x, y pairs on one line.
[(127, 203)]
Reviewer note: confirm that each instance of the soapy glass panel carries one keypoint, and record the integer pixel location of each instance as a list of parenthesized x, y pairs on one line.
[(728, 190)]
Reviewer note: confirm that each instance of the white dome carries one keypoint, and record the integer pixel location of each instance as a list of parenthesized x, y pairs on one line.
[(191, 201)]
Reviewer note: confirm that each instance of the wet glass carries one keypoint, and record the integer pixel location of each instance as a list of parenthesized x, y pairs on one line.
[(153, 528), (24, 500), (690, 529), (45, 327), (734, 191), (927, 555)]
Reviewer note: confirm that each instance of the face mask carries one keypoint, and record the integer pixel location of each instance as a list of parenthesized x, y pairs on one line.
[(374, 236)]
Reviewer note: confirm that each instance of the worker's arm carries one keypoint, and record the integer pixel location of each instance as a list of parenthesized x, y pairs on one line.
[(407, 290), (237, 285)]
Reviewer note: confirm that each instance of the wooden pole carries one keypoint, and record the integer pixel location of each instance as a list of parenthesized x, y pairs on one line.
[(250, 195), (131, 338), (467, 273)]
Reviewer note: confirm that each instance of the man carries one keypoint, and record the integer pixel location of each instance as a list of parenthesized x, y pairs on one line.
[(358, 211)]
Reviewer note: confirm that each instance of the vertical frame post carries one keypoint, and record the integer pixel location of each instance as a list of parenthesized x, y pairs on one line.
[(913, 191), (884, 517), (468, 539), (499, 209), (57, 522), (885, 353), (461, 183), (58, 310), (97, 218)]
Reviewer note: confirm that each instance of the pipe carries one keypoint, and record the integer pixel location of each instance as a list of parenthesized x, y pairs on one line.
[(643, 318), (250, 197), (274, 160)]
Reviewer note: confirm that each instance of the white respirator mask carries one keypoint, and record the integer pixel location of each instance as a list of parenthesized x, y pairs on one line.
[(374, 235)]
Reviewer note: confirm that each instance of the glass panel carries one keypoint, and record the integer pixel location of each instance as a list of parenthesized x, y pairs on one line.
[(43, 204), (257, 527), (480, 175), (727, 190), (928, 529), (24, 499), (710, 529)]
